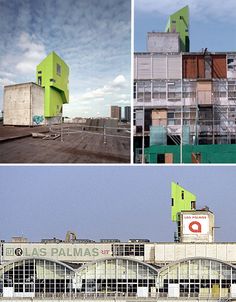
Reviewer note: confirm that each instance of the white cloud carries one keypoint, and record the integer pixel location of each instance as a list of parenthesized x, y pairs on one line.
[(119, 80), (7, 74), (5, 81), (109, 89), (123, 102), (200, 9), (32, 53)]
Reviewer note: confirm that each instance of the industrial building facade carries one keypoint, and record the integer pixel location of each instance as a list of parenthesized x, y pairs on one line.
[(131, 269), (188, 95), (183, 98)]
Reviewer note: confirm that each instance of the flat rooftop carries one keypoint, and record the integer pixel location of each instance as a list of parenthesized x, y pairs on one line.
[(18, 146)]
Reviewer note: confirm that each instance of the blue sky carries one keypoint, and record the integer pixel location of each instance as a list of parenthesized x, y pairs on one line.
[(212, 22), (110, 202), (92, 36)]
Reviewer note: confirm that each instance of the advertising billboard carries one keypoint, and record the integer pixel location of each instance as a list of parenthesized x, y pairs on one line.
[(195, 224)]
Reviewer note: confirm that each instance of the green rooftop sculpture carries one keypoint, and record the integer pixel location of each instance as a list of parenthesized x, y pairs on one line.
[(179, 23), (181, 200), (53, 76)]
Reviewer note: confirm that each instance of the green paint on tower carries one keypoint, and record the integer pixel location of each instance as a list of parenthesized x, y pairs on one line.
[(53, 76), (179, 23), (181, 200)]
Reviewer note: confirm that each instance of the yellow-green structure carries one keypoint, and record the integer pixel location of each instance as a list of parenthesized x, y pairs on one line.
[(179, 23), (53, 76), (181, 200)]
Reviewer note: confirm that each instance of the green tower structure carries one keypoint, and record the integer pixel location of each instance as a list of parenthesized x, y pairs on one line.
[(53, 76), (181, 200), (179, 23)]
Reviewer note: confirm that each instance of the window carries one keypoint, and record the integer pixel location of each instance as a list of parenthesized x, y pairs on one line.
[(39, 72), (161, 158), (40, 80), (172, 202), (135, 87), (182, 194), (59, 69), (52, 80), (193, 205), (128, 250)]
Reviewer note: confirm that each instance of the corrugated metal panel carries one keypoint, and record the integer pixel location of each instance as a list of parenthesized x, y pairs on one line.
[(174, 67), (193, 67), (159, 117), (219, 69), (144, 67), (204, 92), (159, 67)]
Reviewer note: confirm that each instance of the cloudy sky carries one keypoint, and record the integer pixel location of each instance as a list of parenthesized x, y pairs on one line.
[(110, 202), (212, 22), (92, 36)]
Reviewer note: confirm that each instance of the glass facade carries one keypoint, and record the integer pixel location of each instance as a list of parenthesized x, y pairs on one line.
[(32, 277), (116, 277), (202, 278), (196, 277)]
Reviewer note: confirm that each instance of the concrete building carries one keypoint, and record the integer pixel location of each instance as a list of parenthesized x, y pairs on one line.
[(194, 268), (127, 110), (23, 105), (28, 104), (160, 42), (116, 112), (184, 103)]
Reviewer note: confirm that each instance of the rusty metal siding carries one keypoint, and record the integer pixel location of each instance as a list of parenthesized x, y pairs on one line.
[(219, 69), (193, 67), (204, 92)]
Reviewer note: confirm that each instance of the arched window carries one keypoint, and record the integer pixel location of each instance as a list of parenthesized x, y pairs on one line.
[(201, 277), (30, 277), (117, 276)]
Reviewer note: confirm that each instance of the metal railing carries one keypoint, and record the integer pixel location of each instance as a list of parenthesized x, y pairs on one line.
[(65, 130)]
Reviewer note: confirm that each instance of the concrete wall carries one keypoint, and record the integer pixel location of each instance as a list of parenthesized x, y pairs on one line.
[(156, 253), (163, 42), (23, 105), (62, 252)]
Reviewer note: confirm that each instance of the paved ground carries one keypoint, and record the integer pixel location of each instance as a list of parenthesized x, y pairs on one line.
[(18, 146), (11, 132)]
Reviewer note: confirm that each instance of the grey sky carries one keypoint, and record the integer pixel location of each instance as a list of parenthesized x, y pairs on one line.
[(212, 22), (109, 202), (92, 36)]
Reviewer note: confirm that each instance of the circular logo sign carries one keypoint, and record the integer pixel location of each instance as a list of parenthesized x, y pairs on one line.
[(18, 252)]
